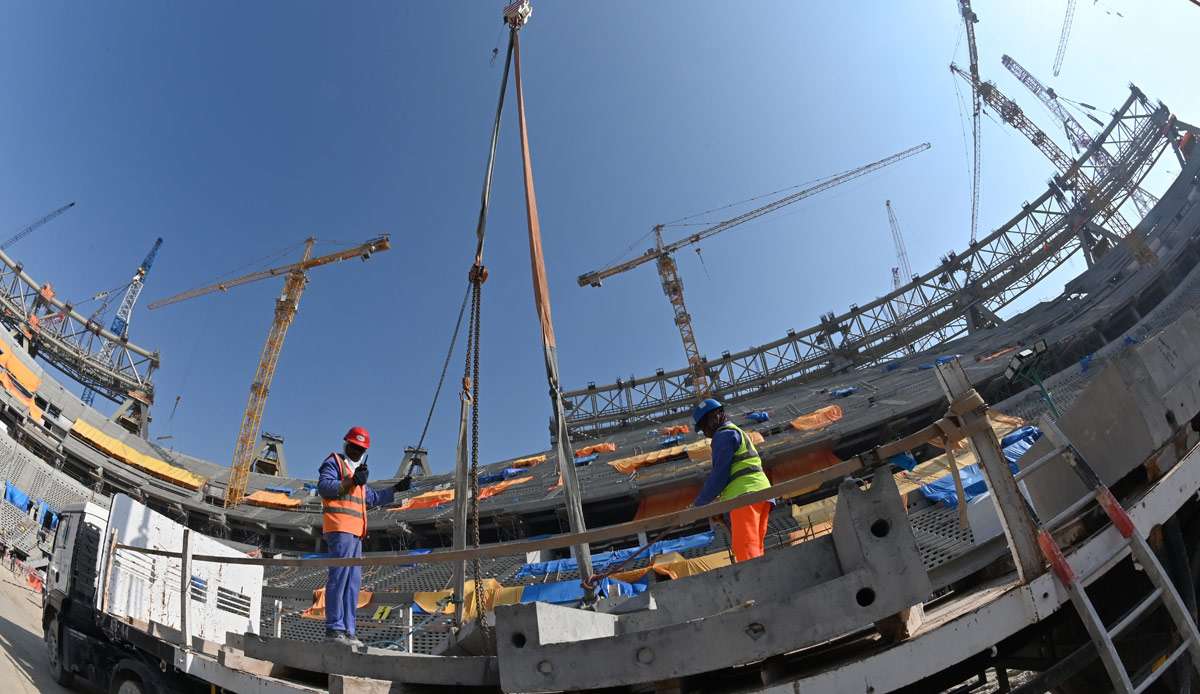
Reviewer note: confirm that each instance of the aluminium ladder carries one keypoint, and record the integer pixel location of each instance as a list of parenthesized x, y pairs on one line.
[(1164, 591)]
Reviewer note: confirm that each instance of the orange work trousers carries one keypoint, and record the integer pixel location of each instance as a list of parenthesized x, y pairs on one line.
[(748, 530)]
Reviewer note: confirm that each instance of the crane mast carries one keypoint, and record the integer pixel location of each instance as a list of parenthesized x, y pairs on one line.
[(34, 226), (969, 20), (902, 269), (295, 279), (668, 272), (120, 323), (1079, 137), (247, 439)]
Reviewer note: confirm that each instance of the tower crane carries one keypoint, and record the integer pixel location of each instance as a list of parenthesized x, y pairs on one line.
[(902, 269), (120, 322), (969, 20), (34, 226), (1078, 136), (663, 256), (1070, 175), (1064, 36), (295, 278)]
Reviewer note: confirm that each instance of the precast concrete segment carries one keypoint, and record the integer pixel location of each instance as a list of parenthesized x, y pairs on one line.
[(739, 615), (963, 628)]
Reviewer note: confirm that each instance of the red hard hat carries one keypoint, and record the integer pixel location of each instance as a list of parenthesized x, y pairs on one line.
[(359, 437)]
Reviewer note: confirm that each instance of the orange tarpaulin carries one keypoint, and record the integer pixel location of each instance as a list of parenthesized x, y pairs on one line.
[(801, 465), (702, 450), (494, 489), (628, 465), (596, 448), (528, 462), (677, 429), (426, 500), (270, 499), (818, 419), (317, 611), (21, 382), (666, 502), (493, 594)]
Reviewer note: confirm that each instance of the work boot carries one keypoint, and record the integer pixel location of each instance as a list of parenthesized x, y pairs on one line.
[(338, 637), (353, 641)]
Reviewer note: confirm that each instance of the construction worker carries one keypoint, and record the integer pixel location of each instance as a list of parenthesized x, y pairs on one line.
[(736, 470), (345, 498)]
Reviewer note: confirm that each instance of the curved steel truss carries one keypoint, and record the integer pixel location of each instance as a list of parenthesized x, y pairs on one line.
[(73, 343), (963, 293)]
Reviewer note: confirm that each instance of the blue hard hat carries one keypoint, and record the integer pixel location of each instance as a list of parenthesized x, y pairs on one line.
[(704, 408)]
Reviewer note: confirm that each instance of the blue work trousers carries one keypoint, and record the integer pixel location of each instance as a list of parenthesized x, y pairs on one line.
[(341, 590)]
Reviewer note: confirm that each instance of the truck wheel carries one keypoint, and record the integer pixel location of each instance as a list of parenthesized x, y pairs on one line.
[(54, 653), (133, 677)]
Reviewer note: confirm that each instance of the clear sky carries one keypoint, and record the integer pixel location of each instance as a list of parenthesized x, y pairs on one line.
[(235, 130)]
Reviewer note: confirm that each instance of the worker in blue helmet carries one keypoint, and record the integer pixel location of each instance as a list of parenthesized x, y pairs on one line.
[(736, 470)]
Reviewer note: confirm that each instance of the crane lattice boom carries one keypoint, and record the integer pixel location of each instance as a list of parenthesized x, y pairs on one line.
[(1080, 139), (595, 277), (296, 278), (120, 323), (34, 226), (1064, 36), (668, 273), (898, 240)]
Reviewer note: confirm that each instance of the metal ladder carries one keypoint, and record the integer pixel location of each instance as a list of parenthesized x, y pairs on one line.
[(1164, 591)]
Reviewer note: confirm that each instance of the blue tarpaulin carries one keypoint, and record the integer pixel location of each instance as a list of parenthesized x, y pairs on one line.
[(584, 460), (491, 477), (15, 496), (281, 490), (602, 561), (903, 460), (1015, 445), (510, 472), (843, 392), (758, 416), (670, 440), (568, 592)]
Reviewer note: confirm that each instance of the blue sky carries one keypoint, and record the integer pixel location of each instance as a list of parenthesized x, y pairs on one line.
[(235, 130)]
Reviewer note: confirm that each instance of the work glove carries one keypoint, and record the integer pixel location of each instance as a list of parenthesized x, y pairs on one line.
[(404, 484), (360, 474)]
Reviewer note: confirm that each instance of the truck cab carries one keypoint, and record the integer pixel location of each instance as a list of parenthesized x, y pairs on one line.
[(72, 580)]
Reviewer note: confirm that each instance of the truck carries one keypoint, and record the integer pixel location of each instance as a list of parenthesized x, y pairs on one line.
[(119, 618)]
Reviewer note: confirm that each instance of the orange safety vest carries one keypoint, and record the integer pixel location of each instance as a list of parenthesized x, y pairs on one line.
[(348, 512)]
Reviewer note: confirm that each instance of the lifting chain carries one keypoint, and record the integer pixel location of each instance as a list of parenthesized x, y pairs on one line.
[(471, 380)]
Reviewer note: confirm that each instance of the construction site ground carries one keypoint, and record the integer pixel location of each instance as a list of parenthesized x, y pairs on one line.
[(23, 666)]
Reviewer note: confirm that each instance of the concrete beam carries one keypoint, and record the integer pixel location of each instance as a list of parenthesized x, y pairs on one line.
[(375, 663)]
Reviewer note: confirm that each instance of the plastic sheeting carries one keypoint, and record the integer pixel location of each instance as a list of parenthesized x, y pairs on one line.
[(16, 497), (671, 440), (596, 448), (568, 592), (634, 462), (494, 489), (426, 602), (317, 611), (758, 416), (603, 560), (818, 419), (135, 458), (20, 382), (426, 500), (676, 429), (587, 459), (803, 464), (666, 502), (529, 461), (843, 392), (270, 499), (1015, 444)]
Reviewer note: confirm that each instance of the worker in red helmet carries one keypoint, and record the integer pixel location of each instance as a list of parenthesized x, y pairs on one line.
[(345, 498)]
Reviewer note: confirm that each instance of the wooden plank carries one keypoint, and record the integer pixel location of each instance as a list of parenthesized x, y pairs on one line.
[(611, 532), (235, 659), (1016, 517)]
